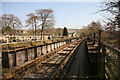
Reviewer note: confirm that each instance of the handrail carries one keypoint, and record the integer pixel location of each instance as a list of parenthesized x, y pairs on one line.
[(110, 70), (111, 60), (115, 65), (112, 49)]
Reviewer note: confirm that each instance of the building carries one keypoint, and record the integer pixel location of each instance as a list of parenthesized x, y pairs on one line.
[(73, 34), (16, 38)]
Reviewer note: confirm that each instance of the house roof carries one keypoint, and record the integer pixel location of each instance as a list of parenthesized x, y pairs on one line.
[(72, 33)]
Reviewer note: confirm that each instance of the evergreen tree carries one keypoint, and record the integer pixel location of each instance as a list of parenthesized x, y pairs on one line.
[(65, 32)]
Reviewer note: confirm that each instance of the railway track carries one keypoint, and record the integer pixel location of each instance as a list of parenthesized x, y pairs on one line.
[(79, 66), (48, 65)]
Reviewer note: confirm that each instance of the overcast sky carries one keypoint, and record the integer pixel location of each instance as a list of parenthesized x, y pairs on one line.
[(67, 14)]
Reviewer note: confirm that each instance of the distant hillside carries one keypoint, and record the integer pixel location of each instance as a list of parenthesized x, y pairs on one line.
[(78, 31)]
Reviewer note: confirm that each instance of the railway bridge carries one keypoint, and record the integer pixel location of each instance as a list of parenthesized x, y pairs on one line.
[(70, 58)]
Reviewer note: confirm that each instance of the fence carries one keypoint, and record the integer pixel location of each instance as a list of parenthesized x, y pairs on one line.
[(109, 62)]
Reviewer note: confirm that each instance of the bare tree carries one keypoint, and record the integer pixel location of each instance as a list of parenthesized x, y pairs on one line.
[(92, 28), (112, 8), (32, 21), (7, 30), (46, 19), (58, 32), (9, 20)]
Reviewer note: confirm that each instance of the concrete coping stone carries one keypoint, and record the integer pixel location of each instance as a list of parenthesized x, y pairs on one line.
[(16, 46), (24, 45), (4, 47), (38, 43), (48, 41), (67, 38), (61, 39), (55, 40)]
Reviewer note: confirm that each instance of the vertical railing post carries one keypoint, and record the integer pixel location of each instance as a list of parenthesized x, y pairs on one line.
[(99, 64), (99, 41), (118, 39), (118, 65), (103, 62), (94, 38), (90, 37)]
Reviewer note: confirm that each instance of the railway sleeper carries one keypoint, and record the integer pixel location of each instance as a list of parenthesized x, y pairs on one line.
[(50, 58), (62, 54), (71, 46), (50, 64), (21, 73), (67, 50)]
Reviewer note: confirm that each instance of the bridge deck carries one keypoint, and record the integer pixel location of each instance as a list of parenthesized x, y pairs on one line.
[(79, 65)]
